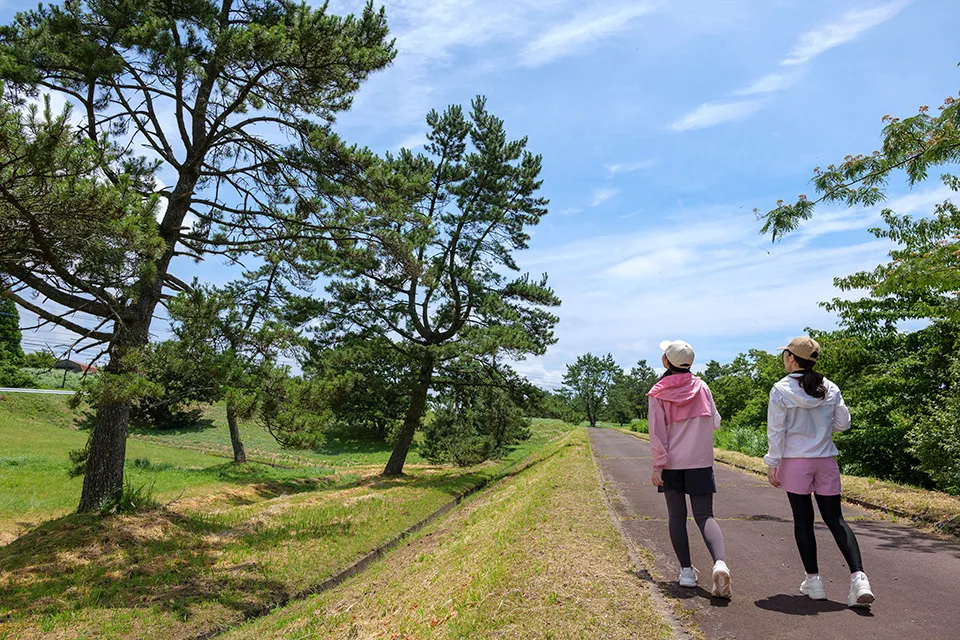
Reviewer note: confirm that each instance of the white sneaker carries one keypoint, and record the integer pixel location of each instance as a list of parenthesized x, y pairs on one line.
[(721, 580), (689, 577), (860, 593), (813, 588)]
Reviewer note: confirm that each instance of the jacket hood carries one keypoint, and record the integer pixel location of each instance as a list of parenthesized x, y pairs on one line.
[(679, 389), (794, 395)]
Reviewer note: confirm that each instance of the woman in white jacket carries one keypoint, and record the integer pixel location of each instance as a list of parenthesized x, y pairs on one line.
[(805, 410)]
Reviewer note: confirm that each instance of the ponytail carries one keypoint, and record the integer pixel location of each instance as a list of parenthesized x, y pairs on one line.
[(673, 371), (810, 380)]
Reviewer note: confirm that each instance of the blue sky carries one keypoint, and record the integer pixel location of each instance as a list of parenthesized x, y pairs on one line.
[(662, 125)]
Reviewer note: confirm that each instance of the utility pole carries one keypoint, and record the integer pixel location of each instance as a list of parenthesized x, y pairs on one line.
[(64, 382)]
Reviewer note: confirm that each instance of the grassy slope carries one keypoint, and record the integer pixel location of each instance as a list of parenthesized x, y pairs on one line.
[(36, 432), (536, 557), (239, 539)]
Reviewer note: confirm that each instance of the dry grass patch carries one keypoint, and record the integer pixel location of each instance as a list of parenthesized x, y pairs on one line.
[(535, 557)]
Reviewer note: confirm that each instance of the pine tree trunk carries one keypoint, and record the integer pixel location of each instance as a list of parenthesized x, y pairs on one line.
[(103, 480), (239, 455), (418, 405)]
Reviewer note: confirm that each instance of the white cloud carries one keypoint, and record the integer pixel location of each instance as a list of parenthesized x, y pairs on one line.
[(769, 83), (847, 28), (707, 276), (413, 142), (628, 167), (712, 113), (536, 372), (602, 194), (569, 211), (569, 37)]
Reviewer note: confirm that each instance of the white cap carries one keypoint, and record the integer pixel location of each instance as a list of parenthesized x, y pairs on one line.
[(678, 352)]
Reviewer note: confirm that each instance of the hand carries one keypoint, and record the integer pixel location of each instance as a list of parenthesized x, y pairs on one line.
[(657, 478), (772, 476)]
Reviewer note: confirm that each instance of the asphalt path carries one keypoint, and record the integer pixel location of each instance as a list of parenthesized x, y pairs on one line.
[(916, 577)]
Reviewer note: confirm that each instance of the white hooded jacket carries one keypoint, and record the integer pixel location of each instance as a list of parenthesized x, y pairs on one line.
[(801, 426)]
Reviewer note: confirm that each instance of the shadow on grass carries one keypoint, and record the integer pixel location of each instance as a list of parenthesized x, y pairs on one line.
[(157, 559), (269, 482), (147, 429), (349, 444)]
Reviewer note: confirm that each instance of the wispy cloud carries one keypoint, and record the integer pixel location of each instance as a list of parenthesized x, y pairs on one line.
[(569, 211), (567, 38), (628, 167), (413, 141), (602, 194), (847, 28), (706, 277), (714, 113), (769, 83)]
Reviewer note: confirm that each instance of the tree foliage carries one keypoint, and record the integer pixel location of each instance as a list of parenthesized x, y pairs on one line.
[(589, 381), (11, 353), (433, 277), (43, 359), (10, 336), (369, 381), (900, 385), (478, 417), (627, 399), (206, 89)]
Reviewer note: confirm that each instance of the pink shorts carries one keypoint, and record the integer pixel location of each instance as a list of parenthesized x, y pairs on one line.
[(809, 475)]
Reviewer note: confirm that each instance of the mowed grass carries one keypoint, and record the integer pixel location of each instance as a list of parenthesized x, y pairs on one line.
[(535, 557), (236, 541), (36, 434)]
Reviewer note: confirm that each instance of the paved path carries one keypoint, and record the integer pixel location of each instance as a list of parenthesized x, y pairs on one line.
[(916, 578)]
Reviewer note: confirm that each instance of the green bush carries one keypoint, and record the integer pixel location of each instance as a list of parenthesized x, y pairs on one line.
[(748, 440), (12, 376), (44, 359), (452, 437), (936, 436), (473, 426)]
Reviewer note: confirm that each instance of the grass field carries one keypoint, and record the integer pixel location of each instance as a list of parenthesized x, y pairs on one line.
[(236, 541), (212, 436), (537, 557), (54, 379)]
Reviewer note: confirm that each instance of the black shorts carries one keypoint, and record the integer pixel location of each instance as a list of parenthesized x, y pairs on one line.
[(694, 482)]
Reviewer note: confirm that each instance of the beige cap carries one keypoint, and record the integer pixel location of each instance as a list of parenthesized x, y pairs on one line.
[(678, 352), (803, 347)]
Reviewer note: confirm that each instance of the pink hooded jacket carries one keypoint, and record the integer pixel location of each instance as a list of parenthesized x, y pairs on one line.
[(682, 419)]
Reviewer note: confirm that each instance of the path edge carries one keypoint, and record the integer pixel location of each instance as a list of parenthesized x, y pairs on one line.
[(641, 570)]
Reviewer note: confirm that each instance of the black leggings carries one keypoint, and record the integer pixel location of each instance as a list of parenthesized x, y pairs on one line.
[(702, 515), (829, 506)]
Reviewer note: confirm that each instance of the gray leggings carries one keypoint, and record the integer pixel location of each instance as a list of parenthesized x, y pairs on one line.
[(703, 516)]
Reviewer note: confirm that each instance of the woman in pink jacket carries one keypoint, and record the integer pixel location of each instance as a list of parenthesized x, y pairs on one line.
[(682, 419)]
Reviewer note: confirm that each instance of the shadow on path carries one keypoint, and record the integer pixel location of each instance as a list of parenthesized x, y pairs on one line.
[(799, 605)]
